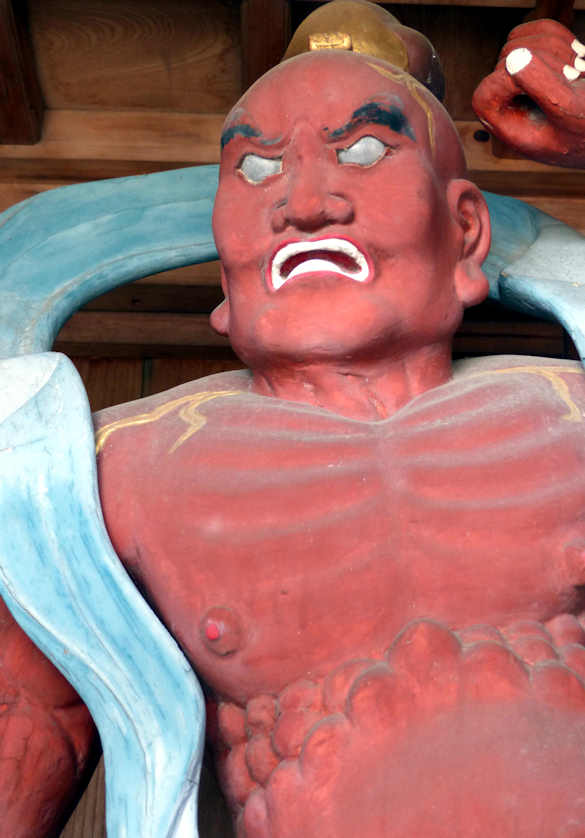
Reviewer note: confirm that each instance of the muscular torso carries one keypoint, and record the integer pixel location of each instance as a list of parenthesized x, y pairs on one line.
[(277, 540)]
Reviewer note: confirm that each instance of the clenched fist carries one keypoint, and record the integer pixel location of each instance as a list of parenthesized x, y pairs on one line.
[(535, 99)]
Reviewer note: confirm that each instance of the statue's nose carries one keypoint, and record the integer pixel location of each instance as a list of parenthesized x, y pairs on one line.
[(311, 207), (309, 203)]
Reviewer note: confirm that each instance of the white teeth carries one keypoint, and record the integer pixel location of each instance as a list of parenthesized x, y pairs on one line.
[(578, 47), (320, 263), (312, 265)]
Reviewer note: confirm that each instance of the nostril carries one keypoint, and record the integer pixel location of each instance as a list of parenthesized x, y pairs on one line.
[(306, 214), (308, 221), (309, 212)]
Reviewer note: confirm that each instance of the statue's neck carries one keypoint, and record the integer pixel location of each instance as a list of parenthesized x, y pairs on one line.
[(368, 391)]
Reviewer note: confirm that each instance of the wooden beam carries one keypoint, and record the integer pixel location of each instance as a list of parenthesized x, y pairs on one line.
[(140, 334), (265, 36), (510, 337), (21, 101), (514, 175), (156, 136)]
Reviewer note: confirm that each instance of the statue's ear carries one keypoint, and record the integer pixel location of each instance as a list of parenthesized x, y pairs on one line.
[(220, 316), (470, 213)]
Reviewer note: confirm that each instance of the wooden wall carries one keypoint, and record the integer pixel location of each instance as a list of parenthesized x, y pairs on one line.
[(137, 86)]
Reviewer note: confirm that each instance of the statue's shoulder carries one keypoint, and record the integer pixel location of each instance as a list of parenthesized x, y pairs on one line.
[(510, 392), (165, 406), (543, 392), (531, 378), (133, 440), (517, 365)]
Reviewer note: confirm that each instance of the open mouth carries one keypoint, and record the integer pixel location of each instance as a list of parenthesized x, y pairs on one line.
[(333, 256)]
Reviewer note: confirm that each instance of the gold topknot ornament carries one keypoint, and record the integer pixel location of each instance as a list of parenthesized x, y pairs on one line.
[(350, 24), (366, 28)]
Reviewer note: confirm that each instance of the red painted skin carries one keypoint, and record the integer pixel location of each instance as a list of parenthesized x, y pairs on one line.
[(552, 129), (46, 738), (303, 512), (318, 537), (289, 525)]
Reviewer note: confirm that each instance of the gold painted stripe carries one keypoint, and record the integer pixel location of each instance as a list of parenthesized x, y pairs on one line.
[(416, 90), (189, 414), (552, 374)]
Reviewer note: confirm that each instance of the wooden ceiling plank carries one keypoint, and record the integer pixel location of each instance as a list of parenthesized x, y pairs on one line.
[(168, 137)]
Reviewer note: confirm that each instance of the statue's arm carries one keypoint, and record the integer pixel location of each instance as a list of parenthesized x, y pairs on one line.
[(47, 738), (535, 102), (535, 99)]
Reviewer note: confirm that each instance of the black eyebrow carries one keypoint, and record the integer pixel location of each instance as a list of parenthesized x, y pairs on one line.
[(372, 112), (243, 129)]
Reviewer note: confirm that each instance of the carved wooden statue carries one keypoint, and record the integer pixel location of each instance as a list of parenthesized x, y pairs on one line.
[(373, 558)]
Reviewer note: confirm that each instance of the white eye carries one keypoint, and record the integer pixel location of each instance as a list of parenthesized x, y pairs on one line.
[(364, 152), (256, 168)]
